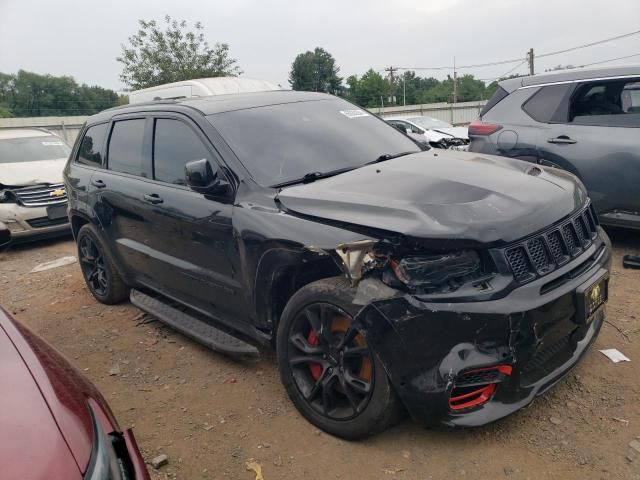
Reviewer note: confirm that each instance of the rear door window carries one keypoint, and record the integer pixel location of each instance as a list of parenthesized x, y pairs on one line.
[(91, 150), (549, 104), (611, 103), (126, 147), (494, 100), (174, 145)]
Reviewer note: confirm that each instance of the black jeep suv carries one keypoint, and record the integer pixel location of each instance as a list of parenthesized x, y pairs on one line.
[(453, 285)]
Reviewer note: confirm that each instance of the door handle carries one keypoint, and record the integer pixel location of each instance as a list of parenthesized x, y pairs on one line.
[(153, 198), (98, 183), (562, 140)]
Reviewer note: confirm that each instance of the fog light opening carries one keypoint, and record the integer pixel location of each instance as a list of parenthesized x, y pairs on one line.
[(473, 388)]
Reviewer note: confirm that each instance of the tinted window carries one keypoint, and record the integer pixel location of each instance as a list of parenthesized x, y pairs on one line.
[(613, 103), (31, 149), (548, 104), (92, 145), (174, 145), (126, 147), (499, 95), (280, 143)]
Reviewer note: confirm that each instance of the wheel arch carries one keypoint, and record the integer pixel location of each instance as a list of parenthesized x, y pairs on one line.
[(281, 273), (77, 220), (80, 219)]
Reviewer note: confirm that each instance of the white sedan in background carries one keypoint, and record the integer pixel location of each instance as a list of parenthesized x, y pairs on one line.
[(437, 133), (33, 201)]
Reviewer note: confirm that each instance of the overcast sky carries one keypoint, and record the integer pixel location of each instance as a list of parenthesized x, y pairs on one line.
[(83, 38)]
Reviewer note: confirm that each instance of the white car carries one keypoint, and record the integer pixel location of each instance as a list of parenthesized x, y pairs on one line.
[(437, 133), (201, 87), (33, 201)]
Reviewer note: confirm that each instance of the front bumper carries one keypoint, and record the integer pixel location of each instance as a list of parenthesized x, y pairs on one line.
[(31, 223), (424, 346)]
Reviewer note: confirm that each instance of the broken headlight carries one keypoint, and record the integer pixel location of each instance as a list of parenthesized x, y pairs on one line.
[(438, 271)]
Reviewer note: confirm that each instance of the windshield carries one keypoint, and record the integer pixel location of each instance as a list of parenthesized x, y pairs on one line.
[(281, 143), (31, 149), (430, 122)]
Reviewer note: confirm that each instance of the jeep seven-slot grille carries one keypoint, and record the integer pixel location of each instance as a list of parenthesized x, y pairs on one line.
[(543, 253), (41, 195)]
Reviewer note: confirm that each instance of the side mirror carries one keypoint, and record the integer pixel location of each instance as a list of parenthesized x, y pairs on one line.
[(203, 178)]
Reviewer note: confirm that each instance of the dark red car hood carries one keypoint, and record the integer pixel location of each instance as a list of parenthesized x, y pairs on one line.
[(46, 425)]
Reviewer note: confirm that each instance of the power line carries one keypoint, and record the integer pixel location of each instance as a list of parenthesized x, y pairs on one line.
[(610, 60), (589, 44), (502, 62), (505, 73), (505, 62)]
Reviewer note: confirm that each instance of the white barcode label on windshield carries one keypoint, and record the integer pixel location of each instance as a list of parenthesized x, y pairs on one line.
[(354, 113), (52, 144)]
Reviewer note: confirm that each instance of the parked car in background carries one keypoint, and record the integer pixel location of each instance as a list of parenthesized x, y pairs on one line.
[(5, 236), (386, 277), (201, 87), (437, 133), (585, 121), (55, 424), (33, 201)]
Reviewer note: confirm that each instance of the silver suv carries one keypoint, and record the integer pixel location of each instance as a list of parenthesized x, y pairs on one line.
[(33, 200), (586, 121)]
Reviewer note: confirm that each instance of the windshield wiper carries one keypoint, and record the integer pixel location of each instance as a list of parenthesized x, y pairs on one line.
[(312, 177), (389, 156)]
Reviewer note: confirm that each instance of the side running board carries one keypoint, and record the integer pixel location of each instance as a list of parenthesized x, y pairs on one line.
[(191, 326)]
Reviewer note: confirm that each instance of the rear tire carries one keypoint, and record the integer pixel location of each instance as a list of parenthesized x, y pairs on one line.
[(331, 375), (102, 278)]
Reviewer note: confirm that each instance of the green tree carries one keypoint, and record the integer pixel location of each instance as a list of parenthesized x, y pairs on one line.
[(470, 88), (155, 56), (28, 94), (315, 72), (440, 91), (5, 92), (368, 91)]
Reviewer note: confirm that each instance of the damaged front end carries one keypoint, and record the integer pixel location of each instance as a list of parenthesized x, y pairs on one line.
[(463, 336), (34, 211), (451, 143), (406, 266)]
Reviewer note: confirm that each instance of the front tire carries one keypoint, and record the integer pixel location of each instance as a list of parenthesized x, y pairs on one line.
[(331, 374), (102, 278)]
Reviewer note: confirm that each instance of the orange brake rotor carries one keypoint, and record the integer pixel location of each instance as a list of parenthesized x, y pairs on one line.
[(340, 324)]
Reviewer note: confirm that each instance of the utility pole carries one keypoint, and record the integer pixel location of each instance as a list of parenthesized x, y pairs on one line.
[(455, 82), (530, 59), (391, 71), (404, 90)]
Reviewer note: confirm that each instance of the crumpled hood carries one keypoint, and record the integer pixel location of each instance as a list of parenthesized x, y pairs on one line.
[(23, 174), (443, 194)]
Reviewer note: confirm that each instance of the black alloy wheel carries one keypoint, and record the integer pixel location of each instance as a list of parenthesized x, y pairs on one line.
[(330, 361), (327, 365), (98, 269), (93, 266)]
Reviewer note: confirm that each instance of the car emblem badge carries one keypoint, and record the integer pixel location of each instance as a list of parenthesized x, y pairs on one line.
[(57, 193)]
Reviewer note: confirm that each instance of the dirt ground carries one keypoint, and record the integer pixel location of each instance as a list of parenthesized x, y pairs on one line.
[(211, 415)]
